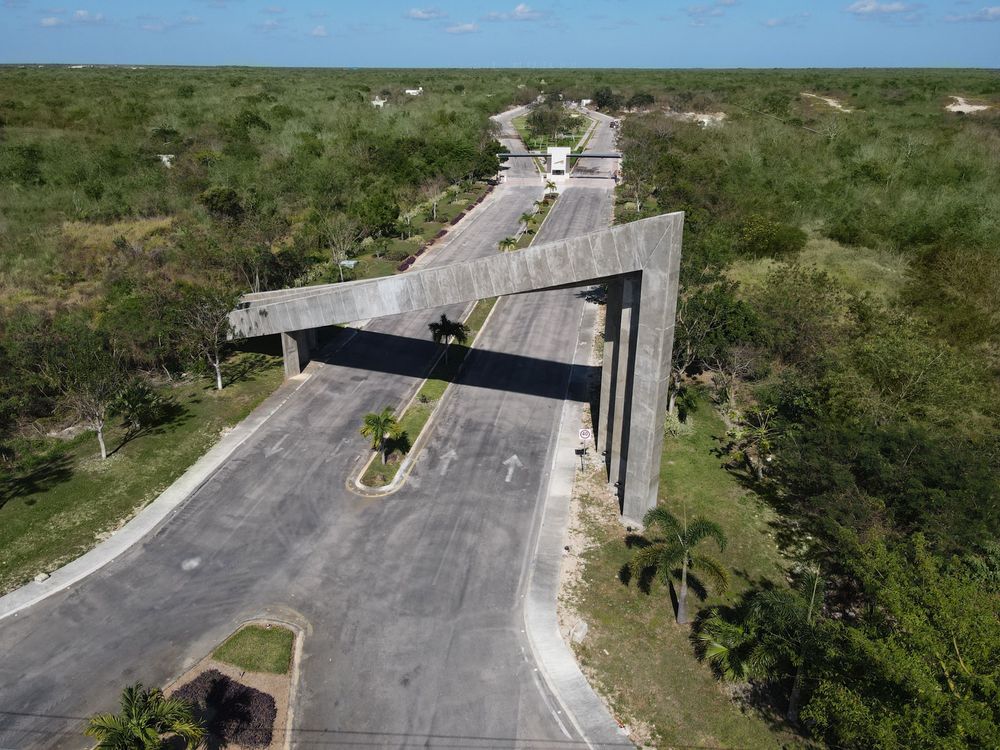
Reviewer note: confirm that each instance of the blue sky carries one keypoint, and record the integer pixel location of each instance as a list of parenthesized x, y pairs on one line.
[(503, 33)]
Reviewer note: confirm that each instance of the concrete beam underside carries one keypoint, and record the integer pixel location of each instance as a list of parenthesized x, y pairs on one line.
[(640, 263)]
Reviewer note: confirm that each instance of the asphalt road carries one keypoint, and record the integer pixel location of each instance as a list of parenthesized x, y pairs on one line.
[(413, 601)]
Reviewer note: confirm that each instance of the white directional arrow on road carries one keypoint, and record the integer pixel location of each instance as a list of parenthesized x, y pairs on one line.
[(513, 463), (446, 460), (268, 452)]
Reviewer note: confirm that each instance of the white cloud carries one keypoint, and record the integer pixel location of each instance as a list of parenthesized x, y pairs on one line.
[(269, 25), (85, 16), (425, 14), (50, 22), (319, 31), (874, 8), (274, 10), (521, 12), (798, 19), (991, 13), (463, 28), (701, 15)]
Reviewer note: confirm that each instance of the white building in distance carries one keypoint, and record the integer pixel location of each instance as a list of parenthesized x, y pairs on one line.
[(378, 102), (415, 92)]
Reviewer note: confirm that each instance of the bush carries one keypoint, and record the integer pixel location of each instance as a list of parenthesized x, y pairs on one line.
[(762, 237), (233, 712), (222, 202), (397, 254)]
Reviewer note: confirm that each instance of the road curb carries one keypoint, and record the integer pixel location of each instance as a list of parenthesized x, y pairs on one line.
[(410, 461), (150, 517)]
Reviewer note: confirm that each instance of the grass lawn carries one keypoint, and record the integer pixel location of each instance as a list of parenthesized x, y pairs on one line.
[(415, 417), (73, 498), (258, 648), (635, 651)]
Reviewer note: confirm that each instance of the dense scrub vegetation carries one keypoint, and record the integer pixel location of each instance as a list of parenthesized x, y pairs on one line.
[(868, 420), (137, 204)]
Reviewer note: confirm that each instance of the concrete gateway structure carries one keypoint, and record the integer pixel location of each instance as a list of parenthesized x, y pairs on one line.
[(640, 264)]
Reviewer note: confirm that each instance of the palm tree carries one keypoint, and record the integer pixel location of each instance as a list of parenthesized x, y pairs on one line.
[(734, 649), (787, 620), (507, 244), (146, 716), (676, 547), (550, 187), (447, 331), (380, 427), (525, 219)]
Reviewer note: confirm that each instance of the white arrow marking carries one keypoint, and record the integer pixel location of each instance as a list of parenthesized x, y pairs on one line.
[(268, 452), (512, 464), (446, 460)]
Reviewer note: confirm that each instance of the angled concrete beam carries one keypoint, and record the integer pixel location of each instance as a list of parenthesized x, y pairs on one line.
[(642, 259)]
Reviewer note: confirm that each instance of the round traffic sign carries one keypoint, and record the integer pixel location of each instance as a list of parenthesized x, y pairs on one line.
[(586, 434)]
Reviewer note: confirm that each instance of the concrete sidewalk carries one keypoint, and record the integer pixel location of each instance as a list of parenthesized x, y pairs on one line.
[(558, 664)]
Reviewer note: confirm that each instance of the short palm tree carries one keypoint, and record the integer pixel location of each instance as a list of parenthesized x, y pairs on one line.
[(146, 716), (506, 244), (789, 621), (379, 427), (525, 219), (676, 547), (550, 187), (734, 649)]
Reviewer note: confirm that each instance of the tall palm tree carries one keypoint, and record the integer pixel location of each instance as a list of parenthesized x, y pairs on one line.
[(550, 187), (507, 244), (146, 716), (525, 219), (379, 427), (676, 547)]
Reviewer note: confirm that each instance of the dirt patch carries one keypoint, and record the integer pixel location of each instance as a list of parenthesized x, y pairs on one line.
[(278, 686), (964, 107), (705, 119), (830, 101)]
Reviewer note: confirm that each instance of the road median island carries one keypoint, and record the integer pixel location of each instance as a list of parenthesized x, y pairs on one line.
[(376, 478), (244, 690)]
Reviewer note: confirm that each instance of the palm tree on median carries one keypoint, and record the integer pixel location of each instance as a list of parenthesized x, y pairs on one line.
[(507, 244), (380, 427), (676, 548), (446, 330), (146, 716)]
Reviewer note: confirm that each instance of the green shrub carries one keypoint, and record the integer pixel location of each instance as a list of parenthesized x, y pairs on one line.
[(761, 237)]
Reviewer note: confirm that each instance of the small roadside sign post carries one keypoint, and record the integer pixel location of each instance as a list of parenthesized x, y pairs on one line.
[(585, 435)]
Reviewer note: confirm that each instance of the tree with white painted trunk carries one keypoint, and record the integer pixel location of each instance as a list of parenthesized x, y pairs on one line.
[(82, 366), (206, 330)]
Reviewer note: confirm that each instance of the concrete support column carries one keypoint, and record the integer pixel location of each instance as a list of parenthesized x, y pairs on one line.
[(625, 351), (612, 324), (650, 383), (295, 350)]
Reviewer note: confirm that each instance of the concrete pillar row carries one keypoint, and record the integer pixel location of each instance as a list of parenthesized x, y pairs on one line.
[(612, 323), (623, 373)]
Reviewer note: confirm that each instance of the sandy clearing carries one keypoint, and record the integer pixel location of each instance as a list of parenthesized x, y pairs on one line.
[(965, 107), (705, 119), (836, 104)]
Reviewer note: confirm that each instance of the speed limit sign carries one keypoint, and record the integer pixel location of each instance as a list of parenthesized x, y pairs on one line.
[(586, 434)]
